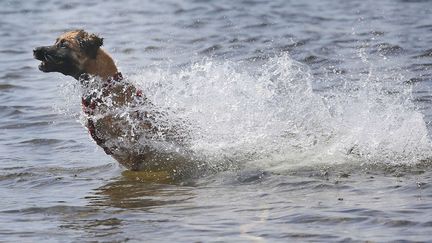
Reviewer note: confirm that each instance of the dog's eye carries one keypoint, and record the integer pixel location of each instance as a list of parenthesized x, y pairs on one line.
[(64, 44)]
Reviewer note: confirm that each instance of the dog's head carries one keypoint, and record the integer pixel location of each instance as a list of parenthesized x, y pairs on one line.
[(69, 54)]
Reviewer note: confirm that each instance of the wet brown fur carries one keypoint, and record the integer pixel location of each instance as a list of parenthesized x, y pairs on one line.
[(84, 56), (102, 65)]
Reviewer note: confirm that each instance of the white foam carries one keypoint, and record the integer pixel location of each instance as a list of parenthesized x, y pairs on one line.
[(270, 117)]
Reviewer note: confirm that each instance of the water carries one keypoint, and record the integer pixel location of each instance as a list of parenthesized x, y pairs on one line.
[(315, 116)]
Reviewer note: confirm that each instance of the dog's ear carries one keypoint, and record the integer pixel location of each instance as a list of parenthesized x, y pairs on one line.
[(90, 43)]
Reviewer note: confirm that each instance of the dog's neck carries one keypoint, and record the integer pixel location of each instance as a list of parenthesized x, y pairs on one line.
[(102, 66)]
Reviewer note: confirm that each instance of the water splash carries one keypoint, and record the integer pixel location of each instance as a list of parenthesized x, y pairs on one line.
[(269, 115)]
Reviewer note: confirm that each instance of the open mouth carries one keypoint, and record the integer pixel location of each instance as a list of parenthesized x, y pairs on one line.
[(44, 66), (48, 62)]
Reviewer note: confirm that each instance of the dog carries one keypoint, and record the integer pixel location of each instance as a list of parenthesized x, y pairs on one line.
[(118, 116)]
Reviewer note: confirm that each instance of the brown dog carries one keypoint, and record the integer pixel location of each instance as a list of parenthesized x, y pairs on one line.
[(119, 118)]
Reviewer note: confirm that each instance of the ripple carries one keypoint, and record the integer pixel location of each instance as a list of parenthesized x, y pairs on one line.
[(308, 236), (13, 52), (53, 210), (152, 48), (26, 124), (316, 219), (400, 223), (257, 26), (7, 87), (197, 24), (389, 49), (426, 26), (211, 49), (425, 54), (246, 177), (42, 141), (312, 59), (197, 40), (16, 175), (427, 224), (128, 50), (14, 111)]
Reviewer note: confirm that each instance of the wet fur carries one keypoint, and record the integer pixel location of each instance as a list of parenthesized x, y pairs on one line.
[(77, 54)]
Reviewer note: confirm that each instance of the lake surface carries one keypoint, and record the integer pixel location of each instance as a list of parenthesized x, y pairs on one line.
[(314, 115)]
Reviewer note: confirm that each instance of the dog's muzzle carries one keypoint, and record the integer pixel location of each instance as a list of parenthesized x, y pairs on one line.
[(49, 61), (38, 53)]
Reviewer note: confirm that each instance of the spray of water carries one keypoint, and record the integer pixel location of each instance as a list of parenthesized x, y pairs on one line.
[(271, 117), (268, 115)]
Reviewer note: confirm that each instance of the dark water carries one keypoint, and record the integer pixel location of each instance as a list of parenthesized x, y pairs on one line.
[(320, 110)]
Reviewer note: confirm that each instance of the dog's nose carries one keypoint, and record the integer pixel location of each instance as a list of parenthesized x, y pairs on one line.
[(36, 50), (38, 53)]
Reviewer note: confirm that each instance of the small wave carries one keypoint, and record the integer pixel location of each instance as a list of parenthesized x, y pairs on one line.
[(211, 49), (312, 59), (7, 87), (16, 175), (53, 210), (42, 141), (22, 125), (387, 49), (425, 54)]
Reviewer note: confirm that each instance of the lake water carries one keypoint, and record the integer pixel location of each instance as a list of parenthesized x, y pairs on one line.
[(315, 115)]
